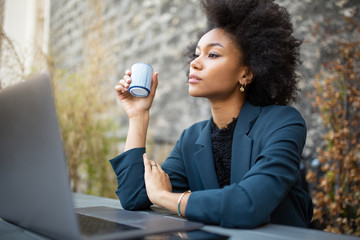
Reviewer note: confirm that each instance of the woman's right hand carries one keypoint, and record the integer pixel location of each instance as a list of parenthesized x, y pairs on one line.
[(134, 106)]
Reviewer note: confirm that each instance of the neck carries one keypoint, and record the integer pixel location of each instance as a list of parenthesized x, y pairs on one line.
[(224, 111)]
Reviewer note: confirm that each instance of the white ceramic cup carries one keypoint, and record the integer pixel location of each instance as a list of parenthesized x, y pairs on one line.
[(141, 77)]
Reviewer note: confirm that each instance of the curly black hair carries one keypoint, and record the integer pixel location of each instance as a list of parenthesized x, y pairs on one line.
[(263, 31)]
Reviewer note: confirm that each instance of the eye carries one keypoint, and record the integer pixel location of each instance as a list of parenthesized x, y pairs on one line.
[(195, 55), (213, 55)]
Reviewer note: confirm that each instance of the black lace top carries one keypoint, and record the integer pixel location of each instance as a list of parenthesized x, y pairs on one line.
[(222, 146)]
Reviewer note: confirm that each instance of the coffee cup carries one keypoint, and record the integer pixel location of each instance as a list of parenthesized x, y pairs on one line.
[(141, 77)]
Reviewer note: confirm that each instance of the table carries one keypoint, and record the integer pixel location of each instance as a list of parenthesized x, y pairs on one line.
[(268, 232)]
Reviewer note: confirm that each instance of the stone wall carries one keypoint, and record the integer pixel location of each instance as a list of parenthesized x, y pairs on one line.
[(2, 8), (158, 31)]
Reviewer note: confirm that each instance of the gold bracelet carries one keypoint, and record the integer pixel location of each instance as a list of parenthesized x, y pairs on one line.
[(179, 201)]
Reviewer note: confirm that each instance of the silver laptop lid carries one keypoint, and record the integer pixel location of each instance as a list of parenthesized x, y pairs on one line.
[(34, 185)]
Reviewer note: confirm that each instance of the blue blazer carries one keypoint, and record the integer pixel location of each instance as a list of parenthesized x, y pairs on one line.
[(265, 177)]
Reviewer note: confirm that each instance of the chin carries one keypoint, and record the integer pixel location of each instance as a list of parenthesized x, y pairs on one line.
[(194, 93), (197, 95), (197, 91)]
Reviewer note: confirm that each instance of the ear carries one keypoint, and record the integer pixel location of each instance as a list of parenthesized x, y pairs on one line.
[(246, 76)]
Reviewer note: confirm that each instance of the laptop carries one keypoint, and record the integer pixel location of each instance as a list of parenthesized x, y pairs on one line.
[(34, 187)]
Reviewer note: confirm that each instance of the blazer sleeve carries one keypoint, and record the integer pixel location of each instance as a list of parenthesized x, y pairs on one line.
[(250, 202), (175, 168), (129, 171)]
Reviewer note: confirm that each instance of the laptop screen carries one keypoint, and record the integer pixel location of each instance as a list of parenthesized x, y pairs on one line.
[(34, 184)]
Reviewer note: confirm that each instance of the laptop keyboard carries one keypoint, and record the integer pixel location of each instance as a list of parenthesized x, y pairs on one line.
[(93, 226)]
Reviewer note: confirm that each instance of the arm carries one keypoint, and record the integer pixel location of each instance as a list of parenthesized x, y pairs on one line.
[(159, 188), (129, 170), (137, 110), (157, 180), (136, 136), (128, 167)]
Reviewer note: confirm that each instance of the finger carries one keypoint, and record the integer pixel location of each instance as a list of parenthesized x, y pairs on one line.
[(121, 92), (122, 83), (154, 83), (120, 89), (128, 72), (125, 83), (159, 168), (126, 78), (155, 79), (147, 165), (154, 166)]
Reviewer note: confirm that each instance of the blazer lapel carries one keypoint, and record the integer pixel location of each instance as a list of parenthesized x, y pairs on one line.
[(242, 143), (204, 158), (241, 149)]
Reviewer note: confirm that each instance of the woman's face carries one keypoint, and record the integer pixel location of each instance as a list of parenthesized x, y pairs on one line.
[(217, 70)]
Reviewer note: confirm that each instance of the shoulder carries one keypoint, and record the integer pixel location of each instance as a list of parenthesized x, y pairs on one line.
[(188, 138), (194, 131), (279, 129), (273, 114), (196, 127), (279, 119)]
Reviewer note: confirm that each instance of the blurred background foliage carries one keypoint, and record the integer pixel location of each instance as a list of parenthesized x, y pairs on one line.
[(336, 194), (86, 113)]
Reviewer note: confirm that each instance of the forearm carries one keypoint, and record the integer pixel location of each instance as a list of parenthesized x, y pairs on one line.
[(170, 200), (129, 171), (138, 125)]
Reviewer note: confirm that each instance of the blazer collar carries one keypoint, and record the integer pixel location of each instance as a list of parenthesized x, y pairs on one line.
[(242, 144), (204, 158), (246, 119), (241, 148)]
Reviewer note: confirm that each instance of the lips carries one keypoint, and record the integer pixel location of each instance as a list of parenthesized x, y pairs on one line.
[(194, 78)]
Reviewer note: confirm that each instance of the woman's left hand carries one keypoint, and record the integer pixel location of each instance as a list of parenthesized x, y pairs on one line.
[(157, 182)]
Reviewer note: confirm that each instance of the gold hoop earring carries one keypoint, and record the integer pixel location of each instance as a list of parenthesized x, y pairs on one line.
[(242, 88)]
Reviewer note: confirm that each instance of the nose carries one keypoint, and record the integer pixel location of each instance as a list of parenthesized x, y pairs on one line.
[(196, 64)]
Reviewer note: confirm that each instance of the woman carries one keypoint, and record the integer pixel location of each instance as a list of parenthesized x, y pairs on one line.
[(241, 167)]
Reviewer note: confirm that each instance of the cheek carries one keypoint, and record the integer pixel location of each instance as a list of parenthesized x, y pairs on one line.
[(226, 80), (226, 71)]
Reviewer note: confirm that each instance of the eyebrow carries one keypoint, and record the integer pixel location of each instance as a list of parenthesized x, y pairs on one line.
[(212, 45)]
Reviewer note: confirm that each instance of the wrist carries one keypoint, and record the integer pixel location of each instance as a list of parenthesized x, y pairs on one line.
[(138, 125), (162, 198), (140, 117), (181, 207), (170, 201)]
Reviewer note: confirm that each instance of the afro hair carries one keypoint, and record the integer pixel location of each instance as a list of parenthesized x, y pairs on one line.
[(263, 32)]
